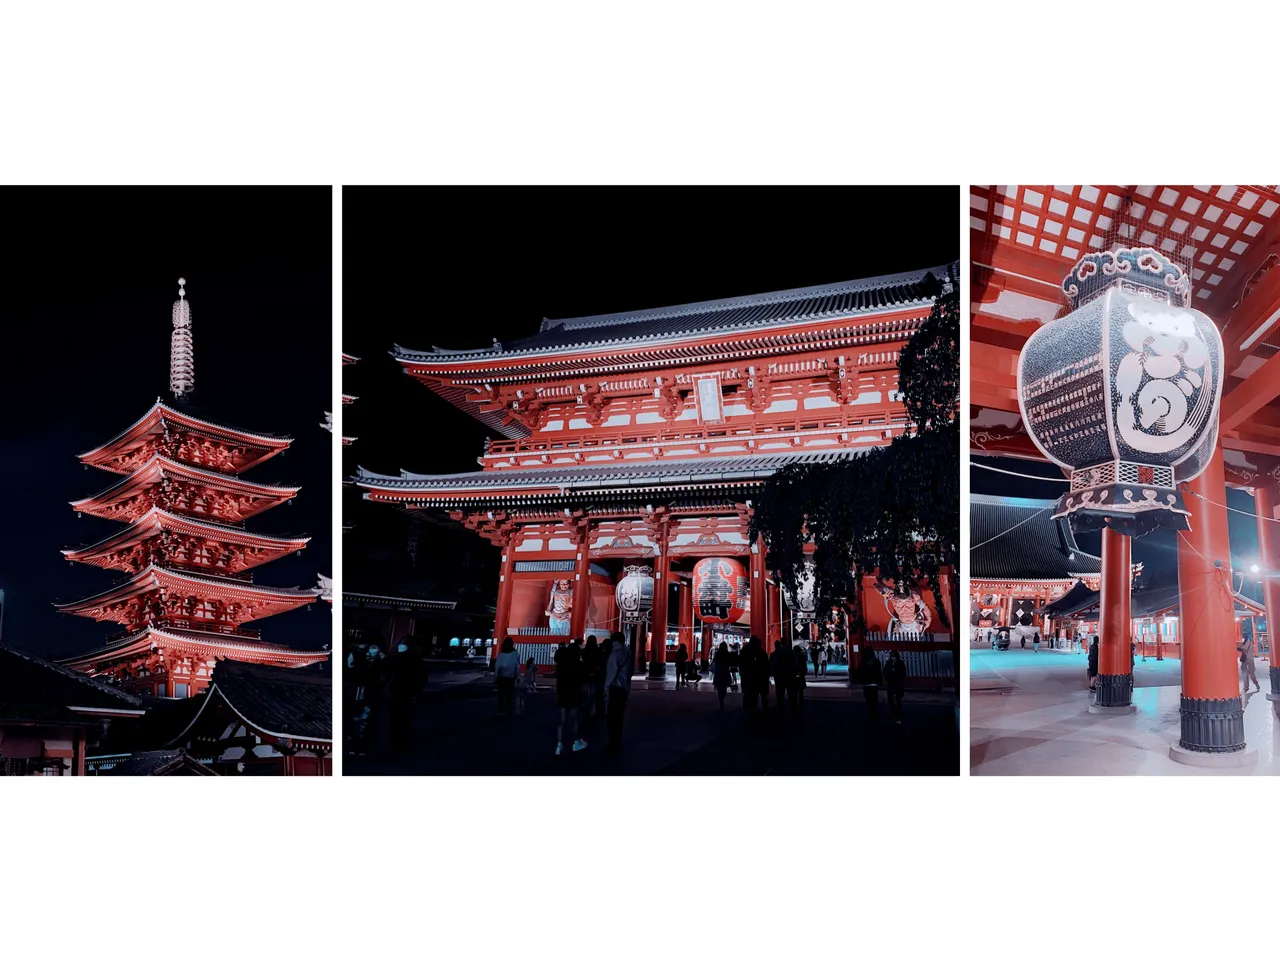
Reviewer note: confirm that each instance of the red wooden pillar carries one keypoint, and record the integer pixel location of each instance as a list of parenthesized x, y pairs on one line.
[(759, 610), (502, 616), (1212, 717), (684, 616), (1115, 671), (661, 593), (1265, 503), (774, 608), (581, 584)]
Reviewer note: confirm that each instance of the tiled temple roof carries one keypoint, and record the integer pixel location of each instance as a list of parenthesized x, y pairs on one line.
[(34, 690), (1036, 546), (569, 477), (845, 299), (277, 700)]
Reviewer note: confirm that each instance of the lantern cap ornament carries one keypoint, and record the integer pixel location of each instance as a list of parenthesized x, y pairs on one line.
[(1123, 392)]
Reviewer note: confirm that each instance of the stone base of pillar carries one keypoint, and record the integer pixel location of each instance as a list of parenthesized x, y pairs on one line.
[(1274, 695), (1122, 709), (1114, 690), (1212, 726), (657, 671), (1193, 758)]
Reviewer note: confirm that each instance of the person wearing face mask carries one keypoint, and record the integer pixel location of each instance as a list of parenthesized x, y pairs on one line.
[(403, 676)]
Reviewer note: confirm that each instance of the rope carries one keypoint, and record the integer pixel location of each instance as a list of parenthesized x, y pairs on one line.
[(1247, 513), (1028, 476), (1010, 530)]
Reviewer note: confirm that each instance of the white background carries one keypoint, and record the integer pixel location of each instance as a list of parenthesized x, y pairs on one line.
[(659, 92)]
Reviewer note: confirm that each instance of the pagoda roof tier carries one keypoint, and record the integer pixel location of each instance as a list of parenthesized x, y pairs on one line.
[(248, 550), (246, 499), (194, 643), (142, 441), (251, 601), (870, 311), (558, 483), (849, 298), (1019, 539)]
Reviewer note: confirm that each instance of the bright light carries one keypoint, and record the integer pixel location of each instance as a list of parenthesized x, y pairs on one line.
[(1254, 568)]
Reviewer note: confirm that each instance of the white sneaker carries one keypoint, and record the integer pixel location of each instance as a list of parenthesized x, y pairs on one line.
[(559, 749), (579, 744)]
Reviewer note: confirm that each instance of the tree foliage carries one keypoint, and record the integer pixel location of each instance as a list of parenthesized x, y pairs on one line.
[(893, 509)]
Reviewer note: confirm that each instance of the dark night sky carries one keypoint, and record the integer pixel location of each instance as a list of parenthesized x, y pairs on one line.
[(1156, 551), (457, 267), (86, 321)]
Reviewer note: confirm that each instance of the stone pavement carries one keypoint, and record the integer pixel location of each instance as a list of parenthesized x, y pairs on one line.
[(1029, 716), (457, 732)]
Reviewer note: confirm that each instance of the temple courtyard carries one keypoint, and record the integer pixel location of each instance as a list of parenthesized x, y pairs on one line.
[(669, 731), (1029, 716)]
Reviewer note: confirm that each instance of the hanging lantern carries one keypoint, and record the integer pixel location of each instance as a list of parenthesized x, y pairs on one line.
[(803, 600), (720, 589), (1123, 392), (634, 594)]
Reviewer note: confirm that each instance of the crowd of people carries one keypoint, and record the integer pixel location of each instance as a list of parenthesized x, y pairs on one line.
[(377, 687)]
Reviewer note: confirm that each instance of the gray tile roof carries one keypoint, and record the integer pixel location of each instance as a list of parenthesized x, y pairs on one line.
[(1035, 546), (32, 689), (673, 472), (846, 299)]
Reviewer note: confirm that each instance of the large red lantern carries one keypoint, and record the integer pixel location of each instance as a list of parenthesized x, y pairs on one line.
[(721, 590)]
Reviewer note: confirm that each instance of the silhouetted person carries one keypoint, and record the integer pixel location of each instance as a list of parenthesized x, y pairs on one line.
[(755, 676), (1248, 670), (722, 672), (870, 676), (782, 664), (569, 696), (895, 680), (801, 679), (1093, 663), (682, 657), (617, 683), (592, 673), (402, 675), (506, 671)]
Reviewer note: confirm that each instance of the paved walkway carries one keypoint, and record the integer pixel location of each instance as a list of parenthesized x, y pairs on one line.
[(666, 731), (1029, 716)]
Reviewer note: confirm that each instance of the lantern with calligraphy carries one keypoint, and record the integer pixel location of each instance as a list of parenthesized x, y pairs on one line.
[(803, 601), (1123, 391), (634, 594), (721, 590)]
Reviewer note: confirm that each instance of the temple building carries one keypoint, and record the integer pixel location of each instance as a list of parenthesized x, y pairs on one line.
[(185, 559), (1014, 578), (1129, 335), (630, 445)]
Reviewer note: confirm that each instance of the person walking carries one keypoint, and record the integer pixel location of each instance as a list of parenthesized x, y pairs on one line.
[(682, 657), (895, 680), (592, 667), (403, 672), (721, 672), (528, 685), (822, 661), (506, 671), (801, 680), (1093, 664), (617, 687), (1248, 670), (569, 696), (870, 676), (782, 665), (1035, 642)]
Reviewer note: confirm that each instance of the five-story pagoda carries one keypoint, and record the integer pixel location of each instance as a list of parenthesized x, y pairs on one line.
[(187, 558)]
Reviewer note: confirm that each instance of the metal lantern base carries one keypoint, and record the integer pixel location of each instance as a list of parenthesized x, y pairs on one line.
[(1274, 695), (1114, 693)]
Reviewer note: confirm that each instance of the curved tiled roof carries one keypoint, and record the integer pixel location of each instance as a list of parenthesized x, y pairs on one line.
[(849, 298), (278, 700), (32, 689), (568, 477), (1028, 543)]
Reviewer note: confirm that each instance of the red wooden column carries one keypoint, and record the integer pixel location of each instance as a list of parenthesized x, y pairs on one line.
[(1212, 717), (759, 612), (581, 580), (1266, 501), (684, 614), (1115, 672), (774, 607), (506, 580), (661, 592)]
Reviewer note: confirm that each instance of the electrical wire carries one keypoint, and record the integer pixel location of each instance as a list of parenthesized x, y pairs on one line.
[(1247, 513), (1028, 476), (1010, 530)]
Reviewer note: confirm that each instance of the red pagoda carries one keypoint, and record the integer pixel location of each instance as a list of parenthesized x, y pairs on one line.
[(634, 442), (186, 556)]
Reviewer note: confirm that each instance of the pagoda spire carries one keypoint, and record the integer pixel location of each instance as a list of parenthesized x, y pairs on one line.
[(182, 361)]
